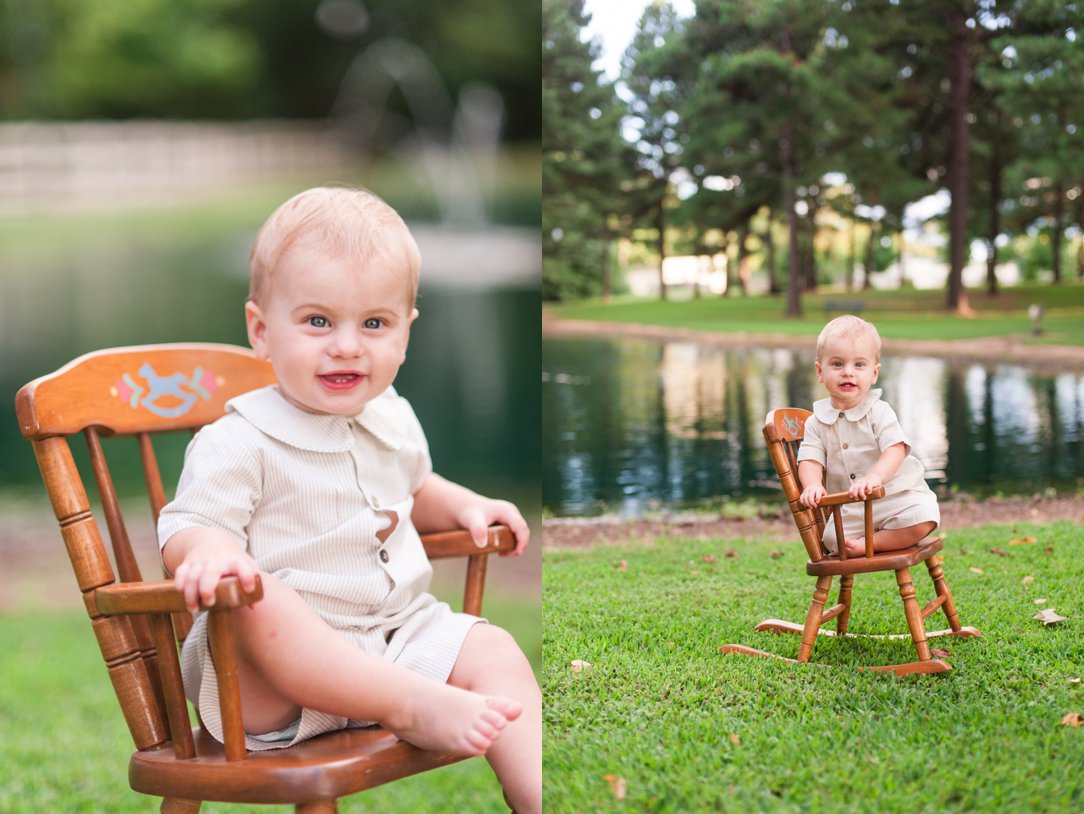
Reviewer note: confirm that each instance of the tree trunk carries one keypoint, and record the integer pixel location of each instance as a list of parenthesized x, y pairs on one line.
[(867, 263), (899, 256), (660, 224), (731, 265), (1055, 235), (959, 168), (724, 250), (809, 248), (786, 151), (1080, 243), (852, 254), (743, 260), (769, 245), (794, 294), (607, 287), (995, 216)]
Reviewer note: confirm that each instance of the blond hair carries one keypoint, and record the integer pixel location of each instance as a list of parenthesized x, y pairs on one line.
[(848, 325), (336, 222)]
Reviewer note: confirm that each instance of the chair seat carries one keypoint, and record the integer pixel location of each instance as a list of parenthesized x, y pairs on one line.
[(880, 561), (326, 767)]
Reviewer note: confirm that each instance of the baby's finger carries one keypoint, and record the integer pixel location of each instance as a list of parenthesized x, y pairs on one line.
[(246, 573), (522, 534), (208, 582), (190, 588), (477, 525)]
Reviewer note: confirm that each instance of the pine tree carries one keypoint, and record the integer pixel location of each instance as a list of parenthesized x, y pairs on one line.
[(584, 160)]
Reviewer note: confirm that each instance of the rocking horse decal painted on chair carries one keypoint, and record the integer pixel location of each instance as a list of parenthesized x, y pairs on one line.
[(166, 396)]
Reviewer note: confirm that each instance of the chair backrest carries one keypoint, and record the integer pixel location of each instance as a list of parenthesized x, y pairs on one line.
[(784, 430), (140, 392)]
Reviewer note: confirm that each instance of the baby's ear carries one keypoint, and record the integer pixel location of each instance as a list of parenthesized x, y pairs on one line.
[(413, 314), (257, 329)]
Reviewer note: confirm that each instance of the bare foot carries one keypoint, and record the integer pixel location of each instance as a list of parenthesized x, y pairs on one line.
[(856, 547), (449, 719)]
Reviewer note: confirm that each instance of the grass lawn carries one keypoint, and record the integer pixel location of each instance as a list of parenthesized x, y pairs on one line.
[(688, 729), (66, 748), (906, 314)]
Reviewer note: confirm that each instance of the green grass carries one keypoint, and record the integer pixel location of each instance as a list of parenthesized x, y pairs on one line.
[(66, 748), (690, 729), (906, 314)]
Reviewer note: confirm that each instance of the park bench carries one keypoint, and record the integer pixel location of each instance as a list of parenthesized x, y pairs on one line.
[(843, 307)]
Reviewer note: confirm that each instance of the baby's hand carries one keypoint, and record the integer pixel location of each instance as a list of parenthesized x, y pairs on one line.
[(205, 564), (479, 515), (861, 488), (812, 495)]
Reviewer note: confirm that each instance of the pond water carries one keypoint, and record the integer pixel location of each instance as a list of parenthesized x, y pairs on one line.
[(471, 373), (630, 425)]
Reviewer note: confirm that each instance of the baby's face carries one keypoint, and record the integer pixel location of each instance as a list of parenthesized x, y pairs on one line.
[(848, 368), (336, 334)]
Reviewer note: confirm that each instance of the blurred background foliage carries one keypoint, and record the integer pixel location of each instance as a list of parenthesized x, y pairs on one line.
[(243, 59)]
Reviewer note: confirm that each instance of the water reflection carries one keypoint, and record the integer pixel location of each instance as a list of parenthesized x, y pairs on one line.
[(629, 424)]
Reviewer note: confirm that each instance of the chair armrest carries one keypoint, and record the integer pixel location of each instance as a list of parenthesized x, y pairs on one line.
[(458, 543), (161, 596), (840, 498)]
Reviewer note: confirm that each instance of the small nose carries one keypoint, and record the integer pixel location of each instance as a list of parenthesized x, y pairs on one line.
[(345, 343)]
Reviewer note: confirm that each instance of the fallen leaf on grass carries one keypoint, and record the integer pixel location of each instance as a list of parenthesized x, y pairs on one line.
[(974, 570), (1022, 540), (708, 558), (1074, 680), (730, 552), (1049, 617), (618, 784), (940, 652), (734, 739), (1040, 601), (775, 553), (1027, 580), (1072, 719), (623, 565), (1000, 552), (579, 665)]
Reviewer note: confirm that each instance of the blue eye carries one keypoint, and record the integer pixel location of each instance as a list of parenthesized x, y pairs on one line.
[(318, 321), (373, 323)]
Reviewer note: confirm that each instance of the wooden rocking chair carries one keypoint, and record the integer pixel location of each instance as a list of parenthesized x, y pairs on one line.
[(140, 392), (784, 430)]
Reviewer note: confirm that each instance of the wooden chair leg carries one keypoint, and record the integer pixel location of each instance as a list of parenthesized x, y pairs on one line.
[(913, 612), (845, 583), (813, 618), (942, 589), (319, 807), (175, 805)]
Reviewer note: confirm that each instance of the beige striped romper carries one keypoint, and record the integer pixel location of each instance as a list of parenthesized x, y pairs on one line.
[(306, 496), (847, 443)]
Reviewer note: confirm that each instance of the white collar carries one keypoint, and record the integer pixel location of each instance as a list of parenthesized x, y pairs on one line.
[(826, 413), (268, 411)]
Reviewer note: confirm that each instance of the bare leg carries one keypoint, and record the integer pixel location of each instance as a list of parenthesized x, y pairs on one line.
[(490, 662), (290, 658), (891, 539)]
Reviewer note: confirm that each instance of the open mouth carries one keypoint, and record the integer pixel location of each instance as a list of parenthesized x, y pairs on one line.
[(339, 381)]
